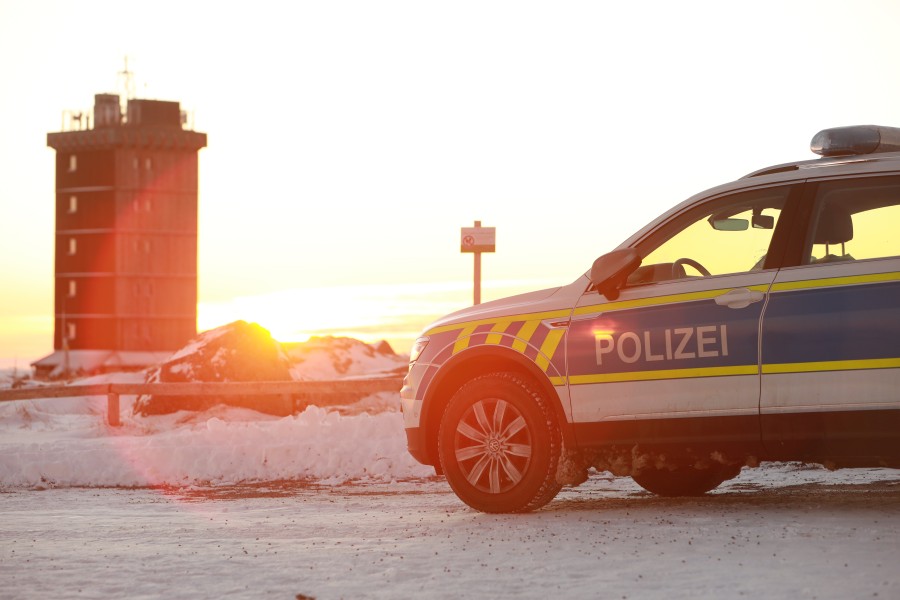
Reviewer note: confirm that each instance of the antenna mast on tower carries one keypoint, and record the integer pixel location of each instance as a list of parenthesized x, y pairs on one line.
[(126, 87)]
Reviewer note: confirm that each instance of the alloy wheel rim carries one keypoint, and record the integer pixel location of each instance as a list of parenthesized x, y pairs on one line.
[(493, 445)]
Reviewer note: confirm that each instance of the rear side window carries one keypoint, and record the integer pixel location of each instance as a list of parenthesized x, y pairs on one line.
[(855, 220)]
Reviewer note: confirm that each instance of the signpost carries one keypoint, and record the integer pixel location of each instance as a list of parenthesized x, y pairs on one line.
[(476, 240)]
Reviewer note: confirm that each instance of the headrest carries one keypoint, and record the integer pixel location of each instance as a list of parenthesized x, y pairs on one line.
[(835, 225)]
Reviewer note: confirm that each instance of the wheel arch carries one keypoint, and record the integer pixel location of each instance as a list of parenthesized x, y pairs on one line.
[(471, 363)]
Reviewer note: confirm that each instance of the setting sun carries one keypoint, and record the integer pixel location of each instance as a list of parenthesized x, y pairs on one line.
[(370, 313)]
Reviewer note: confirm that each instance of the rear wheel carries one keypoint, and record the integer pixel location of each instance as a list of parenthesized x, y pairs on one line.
[(684, 481), (499, 444)]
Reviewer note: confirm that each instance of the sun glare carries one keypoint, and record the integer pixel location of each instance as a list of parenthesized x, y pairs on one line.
[(396, 313), (369, 314)]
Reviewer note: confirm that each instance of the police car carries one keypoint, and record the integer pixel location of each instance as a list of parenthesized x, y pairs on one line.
[(757, 321)]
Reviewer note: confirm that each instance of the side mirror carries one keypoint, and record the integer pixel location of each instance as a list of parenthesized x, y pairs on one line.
[(611, 270)]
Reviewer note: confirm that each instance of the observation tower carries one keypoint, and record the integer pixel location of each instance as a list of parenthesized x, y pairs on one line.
[(126, 235)]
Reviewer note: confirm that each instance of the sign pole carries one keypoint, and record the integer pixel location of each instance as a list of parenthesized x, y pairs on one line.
[(476, 240), (477, 256)]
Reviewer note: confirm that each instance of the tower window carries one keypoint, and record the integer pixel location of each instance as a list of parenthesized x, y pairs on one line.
[(73, 288), (70, 331), (148, 164), (73, 246), (73, 163), (73, 204)]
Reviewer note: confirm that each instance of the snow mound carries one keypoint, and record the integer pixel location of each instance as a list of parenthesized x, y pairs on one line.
[(65, 443), (339, 357), (243, 351)]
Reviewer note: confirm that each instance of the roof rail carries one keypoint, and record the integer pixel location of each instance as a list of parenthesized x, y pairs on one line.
[(782, 168)]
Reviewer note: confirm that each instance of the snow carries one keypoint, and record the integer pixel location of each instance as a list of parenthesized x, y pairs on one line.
[(334, 358), (832, 539), (196, 344), (328, 504), (55, 363), (65, 442)]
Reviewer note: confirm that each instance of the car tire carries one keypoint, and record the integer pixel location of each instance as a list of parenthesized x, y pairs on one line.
[(684, 481), (499, 443)]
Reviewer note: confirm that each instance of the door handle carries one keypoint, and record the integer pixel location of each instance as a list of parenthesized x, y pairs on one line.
[(739, 298)]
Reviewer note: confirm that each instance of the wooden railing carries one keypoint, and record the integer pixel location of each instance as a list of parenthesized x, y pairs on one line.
[(297, 394)]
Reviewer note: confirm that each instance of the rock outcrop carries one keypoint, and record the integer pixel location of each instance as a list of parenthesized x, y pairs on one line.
[(239, 351)]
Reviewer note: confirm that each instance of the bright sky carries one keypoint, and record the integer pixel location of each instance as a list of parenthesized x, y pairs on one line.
[(350, 141)]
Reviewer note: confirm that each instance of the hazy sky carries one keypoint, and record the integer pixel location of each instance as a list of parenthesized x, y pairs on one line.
[(350, 141)]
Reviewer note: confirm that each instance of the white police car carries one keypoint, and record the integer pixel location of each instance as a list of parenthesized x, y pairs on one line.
[(759, 320)]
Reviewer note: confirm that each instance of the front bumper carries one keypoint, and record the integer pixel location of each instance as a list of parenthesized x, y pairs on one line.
[(415, 442), (411, 407)]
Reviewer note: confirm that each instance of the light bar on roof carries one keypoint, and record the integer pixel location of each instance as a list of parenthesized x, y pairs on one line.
[(854, 140)]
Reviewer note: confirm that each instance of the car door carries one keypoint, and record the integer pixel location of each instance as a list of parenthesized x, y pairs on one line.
[(831, 331), (674, 358)]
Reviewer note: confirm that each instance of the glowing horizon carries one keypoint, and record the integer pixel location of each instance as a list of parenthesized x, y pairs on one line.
[(370, 313)]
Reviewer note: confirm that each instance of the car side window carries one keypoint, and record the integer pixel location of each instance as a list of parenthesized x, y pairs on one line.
[(855, 220), (725, 236)]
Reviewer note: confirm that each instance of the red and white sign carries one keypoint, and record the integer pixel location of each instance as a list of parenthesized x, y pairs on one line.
[(478, 239)]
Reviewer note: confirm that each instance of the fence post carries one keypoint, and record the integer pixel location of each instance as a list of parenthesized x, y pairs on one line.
[(112, 409)]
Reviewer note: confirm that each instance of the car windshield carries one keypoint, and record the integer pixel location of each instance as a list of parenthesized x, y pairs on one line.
[(726, 236)]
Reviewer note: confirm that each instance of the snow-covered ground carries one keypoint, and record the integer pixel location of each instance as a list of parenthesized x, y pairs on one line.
[(328, 504), (763, 535)]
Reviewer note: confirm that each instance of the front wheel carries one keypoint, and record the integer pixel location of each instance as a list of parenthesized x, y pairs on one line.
[(499, 444)]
